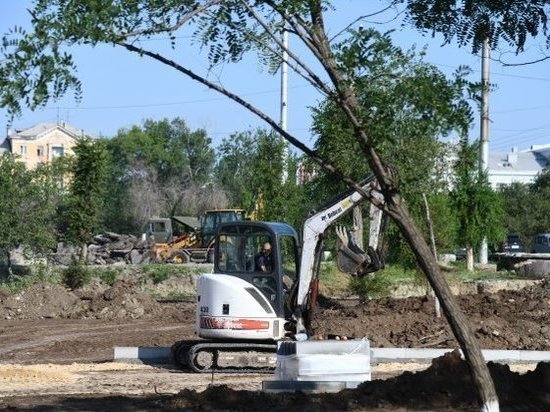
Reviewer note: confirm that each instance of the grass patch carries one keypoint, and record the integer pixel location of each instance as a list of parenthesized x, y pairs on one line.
[(29, 275), (383, 282), (17, 284), (161, 272), (377, 284), (332, 279), (180, 295), (459, 273)]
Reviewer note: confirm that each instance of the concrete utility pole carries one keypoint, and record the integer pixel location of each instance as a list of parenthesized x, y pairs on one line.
[(284, 103), (484, 137)]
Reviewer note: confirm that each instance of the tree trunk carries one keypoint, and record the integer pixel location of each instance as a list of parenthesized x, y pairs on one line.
[(458, 322), (358, 226), (83, 254), (469, 259), (10, 267), (434, 250)]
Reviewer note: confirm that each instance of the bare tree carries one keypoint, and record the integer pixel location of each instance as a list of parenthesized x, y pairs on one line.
[(146, 199)]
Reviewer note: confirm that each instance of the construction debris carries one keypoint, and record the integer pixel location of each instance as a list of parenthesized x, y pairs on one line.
[(105, 249)]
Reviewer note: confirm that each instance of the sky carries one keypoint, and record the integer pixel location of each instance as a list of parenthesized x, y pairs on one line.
[(121, 90)]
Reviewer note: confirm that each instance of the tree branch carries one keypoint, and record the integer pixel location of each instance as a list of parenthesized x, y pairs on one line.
[(318, 83), (314, 81), (522, 63), (366, 16), (300, 27), (196, 11)]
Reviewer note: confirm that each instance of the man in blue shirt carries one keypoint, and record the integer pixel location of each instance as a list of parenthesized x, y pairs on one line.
[(263, 261)]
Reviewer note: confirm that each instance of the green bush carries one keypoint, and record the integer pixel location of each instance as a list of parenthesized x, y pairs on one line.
[(369, 287), (43, 272), (76, 276), (108, 276), (17, 283), (160, 273), (28, 276), (381, 283)]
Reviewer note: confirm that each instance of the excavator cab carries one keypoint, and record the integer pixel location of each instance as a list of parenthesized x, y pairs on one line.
[(239, 250), (242, 299)]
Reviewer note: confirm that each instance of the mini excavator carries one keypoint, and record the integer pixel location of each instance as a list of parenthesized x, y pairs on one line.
[(243, 309)]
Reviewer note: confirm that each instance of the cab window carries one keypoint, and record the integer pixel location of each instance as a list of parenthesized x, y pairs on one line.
[(289, 259), (229, 259), (240, 252), (254, 254), (267, 285)]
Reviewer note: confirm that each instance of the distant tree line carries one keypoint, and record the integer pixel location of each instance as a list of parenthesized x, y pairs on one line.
[(162, 168)]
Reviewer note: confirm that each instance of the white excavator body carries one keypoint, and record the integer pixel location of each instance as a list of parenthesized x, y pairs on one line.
[(231, 308)]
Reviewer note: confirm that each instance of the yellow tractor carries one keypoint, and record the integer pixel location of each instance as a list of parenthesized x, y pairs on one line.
[(183, 239)]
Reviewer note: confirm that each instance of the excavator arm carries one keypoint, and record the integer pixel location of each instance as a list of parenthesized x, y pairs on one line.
[(351, 258)]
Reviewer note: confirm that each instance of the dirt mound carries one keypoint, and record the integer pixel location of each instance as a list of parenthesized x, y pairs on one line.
[(122, 300), (445, 385), (3, 294), (41, 300), (504, 320)]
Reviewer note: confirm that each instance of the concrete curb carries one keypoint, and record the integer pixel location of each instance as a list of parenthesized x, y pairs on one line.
[(386, 355), (378, 355), (142, 353)]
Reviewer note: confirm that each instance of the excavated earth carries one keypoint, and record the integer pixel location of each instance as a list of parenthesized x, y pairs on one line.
[(48, 324)]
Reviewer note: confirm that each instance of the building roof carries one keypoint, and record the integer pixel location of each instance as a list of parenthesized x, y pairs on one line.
[(40, 129), (189, 221), (542, 149), (517, 162), (4, 146)]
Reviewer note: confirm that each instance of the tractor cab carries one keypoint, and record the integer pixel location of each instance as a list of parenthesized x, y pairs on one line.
[(241, 252), (211, 219)]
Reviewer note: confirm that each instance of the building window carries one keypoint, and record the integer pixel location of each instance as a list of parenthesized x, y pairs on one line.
[(23, 150), (40, 151), (57, 151)]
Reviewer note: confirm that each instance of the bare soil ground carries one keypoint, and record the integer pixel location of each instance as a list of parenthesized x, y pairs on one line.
[(48, 324)]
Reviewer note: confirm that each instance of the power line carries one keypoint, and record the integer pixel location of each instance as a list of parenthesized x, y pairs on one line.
[(524, 109), (176, 103), (519, 76)]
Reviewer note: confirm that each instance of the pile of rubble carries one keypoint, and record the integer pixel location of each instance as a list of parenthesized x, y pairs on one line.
[(107, 248)]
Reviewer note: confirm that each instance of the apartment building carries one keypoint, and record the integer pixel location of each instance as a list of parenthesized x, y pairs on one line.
[(42, 143)]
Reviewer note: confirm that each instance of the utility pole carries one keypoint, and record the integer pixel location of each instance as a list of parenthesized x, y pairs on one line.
[(484, 137), (284, 102)]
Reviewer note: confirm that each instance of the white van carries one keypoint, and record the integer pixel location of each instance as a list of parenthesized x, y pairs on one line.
[(541, 243)]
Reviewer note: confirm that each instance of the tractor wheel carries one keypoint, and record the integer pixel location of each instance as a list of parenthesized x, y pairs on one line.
[(179, 258)]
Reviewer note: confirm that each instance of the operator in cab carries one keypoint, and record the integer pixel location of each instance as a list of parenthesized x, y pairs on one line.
[(263, 260)]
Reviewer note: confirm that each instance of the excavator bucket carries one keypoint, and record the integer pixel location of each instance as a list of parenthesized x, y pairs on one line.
[(351, 259)]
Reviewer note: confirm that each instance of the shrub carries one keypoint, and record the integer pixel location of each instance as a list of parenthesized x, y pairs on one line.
[(17, 283), (160, 273), (108, 276), (76, 276), (372, 286)]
